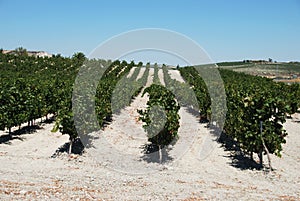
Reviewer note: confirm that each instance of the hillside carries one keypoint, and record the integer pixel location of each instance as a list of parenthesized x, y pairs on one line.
[(281, 71), (29, 173)]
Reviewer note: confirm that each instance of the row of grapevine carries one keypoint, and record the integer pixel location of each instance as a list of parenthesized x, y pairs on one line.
[(31, 87), (161, 116), (257, 108), (199, 87), (156, 79), (128, 88), (143, 80), (90, 94), (182, 91)]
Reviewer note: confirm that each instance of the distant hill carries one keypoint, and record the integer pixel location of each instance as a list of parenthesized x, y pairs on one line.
[(29, 53), (280, 71)]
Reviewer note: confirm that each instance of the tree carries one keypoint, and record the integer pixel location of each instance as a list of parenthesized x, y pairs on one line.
[(140, 64), (20, 51), (79, 56), (57, 55)]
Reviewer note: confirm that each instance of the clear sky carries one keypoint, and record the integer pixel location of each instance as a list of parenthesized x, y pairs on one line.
[(226, 29)]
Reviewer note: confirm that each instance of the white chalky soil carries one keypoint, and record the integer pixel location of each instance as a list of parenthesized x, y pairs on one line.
[(28, 173)]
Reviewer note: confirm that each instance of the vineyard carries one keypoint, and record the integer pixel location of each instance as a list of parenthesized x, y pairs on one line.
[(85, 96), (32, 88), (257, 108)]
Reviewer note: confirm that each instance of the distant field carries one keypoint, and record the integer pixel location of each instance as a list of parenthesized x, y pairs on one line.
[(287, 72)]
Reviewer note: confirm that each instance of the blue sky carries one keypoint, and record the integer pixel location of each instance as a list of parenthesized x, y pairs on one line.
[(226, 29)]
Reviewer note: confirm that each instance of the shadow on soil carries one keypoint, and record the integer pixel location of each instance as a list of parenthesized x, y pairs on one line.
[(238, 159), (152, 154), (77, 148), (16, 135)]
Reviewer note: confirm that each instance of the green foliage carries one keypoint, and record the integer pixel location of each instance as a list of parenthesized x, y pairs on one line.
[(160, 132), (125, 90), (183, 92), (196, 82), (155, 76), (88, 100), (236, 63), (31, 87), (79, 56), (20, 51), (250, 100)]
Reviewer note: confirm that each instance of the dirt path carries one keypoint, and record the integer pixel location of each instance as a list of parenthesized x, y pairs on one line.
[(28, 173)]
